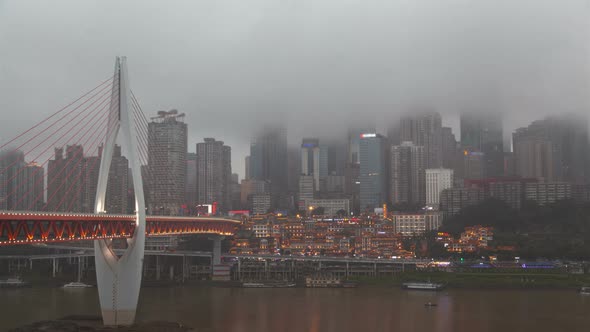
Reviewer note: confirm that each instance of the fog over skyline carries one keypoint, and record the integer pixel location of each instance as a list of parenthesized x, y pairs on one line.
[(315, 65)]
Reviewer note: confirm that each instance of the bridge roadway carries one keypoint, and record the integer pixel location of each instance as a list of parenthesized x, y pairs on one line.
[(24, 227), (327, 259)]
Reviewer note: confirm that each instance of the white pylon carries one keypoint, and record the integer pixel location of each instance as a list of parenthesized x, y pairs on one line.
[(119, 279)]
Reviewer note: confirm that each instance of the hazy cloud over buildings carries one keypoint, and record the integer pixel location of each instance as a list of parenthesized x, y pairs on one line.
[(316, 64)]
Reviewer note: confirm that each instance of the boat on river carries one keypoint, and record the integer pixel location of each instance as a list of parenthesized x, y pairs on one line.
[(76, 284), (13, 283), (268, 284), (585, 290), (429, 286)]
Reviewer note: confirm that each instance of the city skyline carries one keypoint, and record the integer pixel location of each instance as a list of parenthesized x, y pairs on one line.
[(525, 83)]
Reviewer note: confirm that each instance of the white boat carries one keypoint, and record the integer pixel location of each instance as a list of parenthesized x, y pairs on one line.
[(268, 285), (76, 284), (585, 290), (13, 283), (423, 286)]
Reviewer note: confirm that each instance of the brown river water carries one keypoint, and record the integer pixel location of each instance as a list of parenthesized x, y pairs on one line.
[(315, 310)]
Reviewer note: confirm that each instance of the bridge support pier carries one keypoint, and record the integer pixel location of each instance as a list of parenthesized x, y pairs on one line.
[(158, 268), (55, 267), (347, 270), (216, 258), (119, 278)]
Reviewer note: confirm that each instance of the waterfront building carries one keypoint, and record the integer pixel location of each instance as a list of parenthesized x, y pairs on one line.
[(331, 206), (413, 224), (261, 203)]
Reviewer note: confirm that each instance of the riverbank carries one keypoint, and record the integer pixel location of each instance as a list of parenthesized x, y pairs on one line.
[(494, 280), (94, 324)]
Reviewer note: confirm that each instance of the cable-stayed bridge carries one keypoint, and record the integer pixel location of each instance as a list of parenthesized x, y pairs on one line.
[(77, 173)]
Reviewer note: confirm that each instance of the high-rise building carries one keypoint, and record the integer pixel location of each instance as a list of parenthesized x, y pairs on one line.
[(473, 165), (91, 168), (214, 173), (483, 132), (449, 148), (31, 187), (226, 179), (509, 192), (191, 196), (10, 164), (235, 191), (314, 161), (247, 174), (65, 180), (453, 200), (424, 128), (352, 186), (268, 161), (337, 156), (293, 169), (306, 190), (437, 180), (251, 187), (548, 192), (553, 149), (354, 138), (167, 149), (373, 171), (261, 203), (406, 178), (117, 183)]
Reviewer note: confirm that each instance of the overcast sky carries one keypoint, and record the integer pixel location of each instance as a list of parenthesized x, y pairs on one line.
[(314, 63)]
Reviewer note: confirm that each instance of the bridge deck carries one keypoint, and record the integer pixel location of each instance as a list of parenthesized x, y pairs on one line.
[(22, 227)]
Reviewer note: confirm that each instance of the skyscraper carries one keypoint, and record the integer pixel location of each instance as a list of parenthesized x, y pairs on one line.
[(406, 178), (483, 133), (337, 156), (373, 171), (437, 180), (268, 161), (306, 190), (449, 148), (167, 149), (117, 183), (354, 137), (30, 187), (424, 128), (10, 164), (191, 195), (65, 180), (293, 168), (314, 161), (214, 173), (553, 149)]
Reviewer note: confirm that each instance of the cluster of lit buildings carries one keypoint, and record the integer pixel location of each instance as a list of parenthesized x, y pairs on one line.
[(374, 236), (471, 240)]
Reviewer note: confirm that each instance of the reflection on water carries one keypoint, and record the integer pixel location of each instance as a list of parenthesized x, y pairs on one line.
[(362, 309)]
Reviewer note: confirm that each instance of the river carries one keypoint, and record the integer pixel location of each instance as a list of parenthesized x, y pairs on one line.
[(315, 310)]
